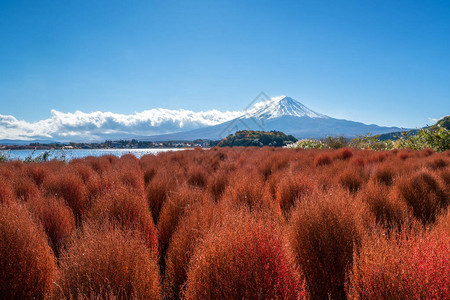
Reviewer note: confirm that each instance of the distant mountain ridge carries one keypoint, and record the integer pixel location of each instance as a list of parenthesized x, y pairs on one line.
[(280, 114)]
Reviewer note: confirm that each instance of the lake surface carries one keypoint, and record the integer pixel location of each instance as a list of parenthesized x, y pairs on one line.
[(69, 154)]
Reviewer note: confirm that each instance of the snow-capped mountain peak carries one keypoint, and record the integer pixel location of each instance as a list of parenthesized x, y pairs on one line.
[(281, 106)]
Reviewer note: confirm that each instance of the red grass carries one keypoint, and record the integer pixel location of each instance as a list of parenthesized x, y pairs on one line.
[(230, 209), (344, 153), (403, 155), (423, 192), (71, 188), (352, 178), (173, 210), (290, 189), (390, 213), (322, 159), (6, 194), (384, 174), (437, 163), (25, 188), (245, 258), (197, 176), (357, 162), (192, 227), (324, 231), (56, 218), (37, 172), (217, 184), (124, 268), (413, 267), (376, 158), (125, 209), (157, 191), (27, 264), (247, 190)]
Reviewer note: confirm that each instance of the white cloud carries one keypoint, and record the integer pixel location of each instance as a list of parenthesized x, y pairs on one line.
[(433, 120), (107, 125)]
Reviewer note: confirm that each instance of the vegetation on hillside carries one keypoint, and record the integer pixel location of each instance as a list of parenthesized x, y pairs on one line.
[(436, 137), (228, 223), (257, 138)]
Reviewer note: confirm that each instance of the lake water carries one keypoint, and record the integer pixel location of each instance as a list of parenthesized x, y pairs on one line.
[(69, 154)]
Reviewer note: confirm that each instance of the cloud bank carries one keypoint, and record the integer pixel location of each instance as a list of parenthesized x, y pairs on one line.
[(98, 126)]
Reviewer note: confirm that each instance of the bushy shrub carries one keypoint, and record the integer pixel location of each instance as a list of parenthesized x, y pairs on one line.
[(128, 210), (25, 188), (352, 178), (324, 231), (70, 187), (37, 172), (291, 189), (384, 174), (247, 190), (191, 228), (27, 264), (173, 210), (423, 192), (157, 191), (242, 259), (6, 194), (390, 213), (322, 159), (344, 153), (197, 176), (103, 262), (217, 184), (56, 218), (409, 267)]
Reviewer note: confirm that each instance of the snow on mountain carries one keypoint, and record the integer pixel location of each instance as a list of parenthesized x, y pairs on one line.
[(282, 114), (281, 106)]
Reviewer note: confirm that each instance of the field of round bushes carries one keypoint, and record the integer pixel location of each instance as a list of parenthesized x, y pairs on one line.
[(228, 223)]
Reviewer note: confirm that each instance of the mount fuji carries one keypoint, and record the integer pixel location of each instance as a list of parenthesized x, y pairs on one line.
[(282, 114)]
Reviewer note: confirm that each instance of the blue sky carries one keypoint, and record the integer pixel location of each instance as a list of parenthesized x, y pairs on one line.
[(382, 62)]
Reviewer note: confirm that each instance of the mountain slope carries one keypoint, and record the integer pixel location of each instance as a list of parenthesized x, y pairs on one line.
[(281, 114)]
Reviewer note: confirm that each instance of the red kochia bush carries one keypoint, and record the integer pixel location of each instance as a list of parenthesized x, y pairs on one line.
[(322, 159), (128, 210), (344, 153), (196, 222), (384, 174), (423, 192), (390, 213), (324, 231), (157, 190), (25, 188), (105, 263), (217, 184), (197, 176), (173, 210), (27, 264), (412, 267), (291, 189), (56, 218), (37, 172), (71, 188), (6, 194), (245, 258), (352, 178), (247, 190)]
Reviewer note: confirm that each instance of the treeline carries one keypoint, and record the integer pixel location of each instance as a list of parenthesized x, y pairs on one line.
[(435, 138), (250, 138)]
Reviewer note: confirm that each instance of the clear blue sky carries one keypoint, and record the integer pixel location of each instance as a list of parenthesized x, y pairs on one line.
[(383, 62)]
